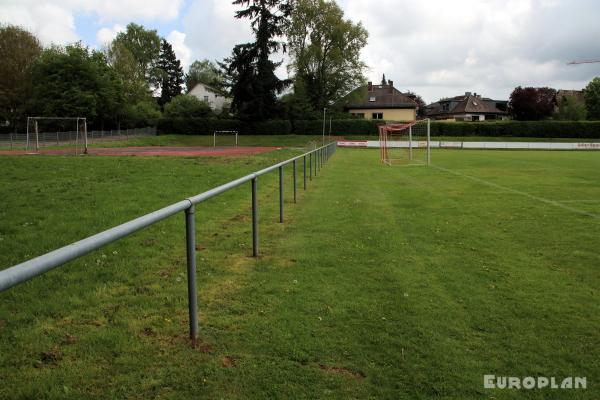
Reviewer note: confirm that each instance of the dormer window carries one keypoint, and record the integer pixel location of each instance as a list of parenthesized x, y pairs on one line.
[(372, 99)]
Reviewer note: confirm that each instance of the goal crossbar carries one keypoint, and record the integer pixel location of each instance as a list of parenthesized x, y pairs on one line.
[(230, 133)]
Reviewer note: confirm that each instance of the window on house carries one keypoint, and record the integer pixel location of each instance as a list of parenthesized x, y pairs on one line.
[(358, 115), (372, 99), (446, 107), (206, 99), (377, 115)]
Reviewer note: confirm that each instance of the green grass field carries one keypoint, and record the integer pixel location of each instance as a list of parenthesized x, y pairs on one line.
[(384, 282)]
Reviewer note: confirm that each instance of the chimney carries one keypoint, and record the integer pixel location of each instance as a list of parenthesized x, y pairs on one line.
[(391, 84), (370, 86)]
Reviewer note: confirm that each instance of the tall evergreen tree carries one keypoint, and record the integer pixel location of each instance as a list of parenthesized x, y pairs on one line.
[(251, 74), (171, 73)]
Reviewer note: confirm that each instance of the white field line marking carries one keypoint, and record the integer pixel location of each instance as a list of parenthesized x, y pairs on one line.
[(579, 201), (531, 196)]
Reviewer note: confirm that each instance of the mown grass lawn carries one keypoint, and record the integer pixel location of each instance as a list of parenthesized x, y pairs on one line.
[(384, 282)]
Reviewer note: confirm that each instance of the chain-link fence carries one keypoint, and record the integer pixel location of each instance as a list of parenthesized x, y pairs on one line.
[(18, 141)]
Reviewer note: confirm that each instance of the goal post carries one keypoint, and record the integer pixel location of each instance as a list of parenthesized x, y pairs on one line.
[(405, 144), (53, 125), (219, 135)]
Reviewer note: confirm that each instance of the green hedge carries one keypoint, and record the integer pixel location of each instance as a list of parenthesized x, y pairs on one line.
[(207, 126), (338, 127), (537, 129)]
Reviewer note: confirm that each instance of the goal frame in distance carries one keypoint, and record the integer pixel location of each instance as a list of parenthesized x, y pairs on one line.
[(387, 132), (225, 133), (80, 122)]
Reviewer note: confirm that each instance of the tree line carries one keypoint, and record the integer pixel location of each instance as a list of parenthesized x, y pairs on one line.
[(538, 103), (137, 78)]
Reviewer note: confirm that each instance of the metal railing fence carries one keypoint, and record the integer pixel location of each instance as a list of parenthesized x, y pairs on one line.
[(18, 141), (29, 269)]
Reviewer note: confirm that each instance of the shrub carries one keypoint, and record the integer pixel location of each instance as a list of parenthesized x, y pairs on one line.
[(141, 114), (196, 126), (272, 127), (187, 106)]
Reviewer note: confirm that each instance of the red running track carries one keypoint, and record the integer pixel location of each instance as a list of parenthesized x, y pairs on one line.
[(157, 151)]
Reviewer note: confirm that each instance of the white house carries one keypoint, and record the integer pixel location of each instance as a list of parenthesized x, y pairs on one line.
[(215, 100)]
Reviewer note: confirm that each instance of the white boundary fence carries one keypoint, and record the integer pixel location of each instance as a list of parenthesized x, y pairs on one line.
[(18, 141), (374, 144)]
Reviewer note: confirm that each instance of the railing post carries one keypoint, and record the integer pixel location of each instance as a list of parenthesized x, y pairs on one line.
[(190, 229), (281, 195), (310, 157), (295, 183), (254, 218), (304, 172)]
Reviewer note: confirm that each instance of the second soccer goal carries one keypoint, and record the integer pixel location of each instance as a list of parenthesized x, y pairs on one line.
[(405, 144), (225, 138)]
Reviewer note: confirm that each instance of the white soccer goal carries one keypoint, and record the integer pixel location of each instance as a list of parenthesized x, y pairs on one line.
[(79, 135), (406, 144), (225, 138)]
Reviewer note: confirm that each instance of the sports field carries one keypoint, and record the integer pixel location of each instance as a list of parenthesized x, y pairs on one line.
[(384, 282)]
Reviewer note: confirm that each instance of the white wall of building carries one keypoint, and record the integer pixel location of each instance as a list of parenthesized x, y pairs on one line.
[(215, 100)]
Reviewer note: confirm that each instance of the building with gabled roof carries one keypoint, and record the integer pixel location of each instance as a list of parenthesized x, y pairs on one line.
[(468, 107), (381, 102)]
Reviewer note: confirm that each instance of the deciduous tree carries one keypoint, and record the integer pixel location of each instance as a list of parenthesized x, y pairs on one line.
[(531, 104), (206, 72), (420, 103), (325, 50), (144, 46), (592, 99), (73, 81), (19, 49), (187, 106)]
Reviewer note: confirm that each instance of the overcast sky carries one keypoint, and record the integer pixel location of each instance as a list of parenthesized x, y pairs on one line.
[(436, 48)]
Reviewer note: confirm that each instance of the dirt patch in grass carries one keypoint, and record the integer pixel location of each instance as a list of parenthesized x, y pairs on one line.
[(205, 348), (229, 361), (49, 358), (69, 339), (348, 373)]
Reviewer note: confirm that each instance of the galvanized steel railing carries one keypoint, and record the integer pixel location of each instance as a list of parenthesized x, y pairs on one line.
[(29, 269)]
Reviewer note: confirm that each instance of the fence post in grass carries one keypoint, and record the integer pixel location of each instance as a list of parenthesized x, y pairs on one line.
[(281, 195), (310, 165), (428, 141), (190, 229), (254, 218), (295, 182), (304, 172)]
